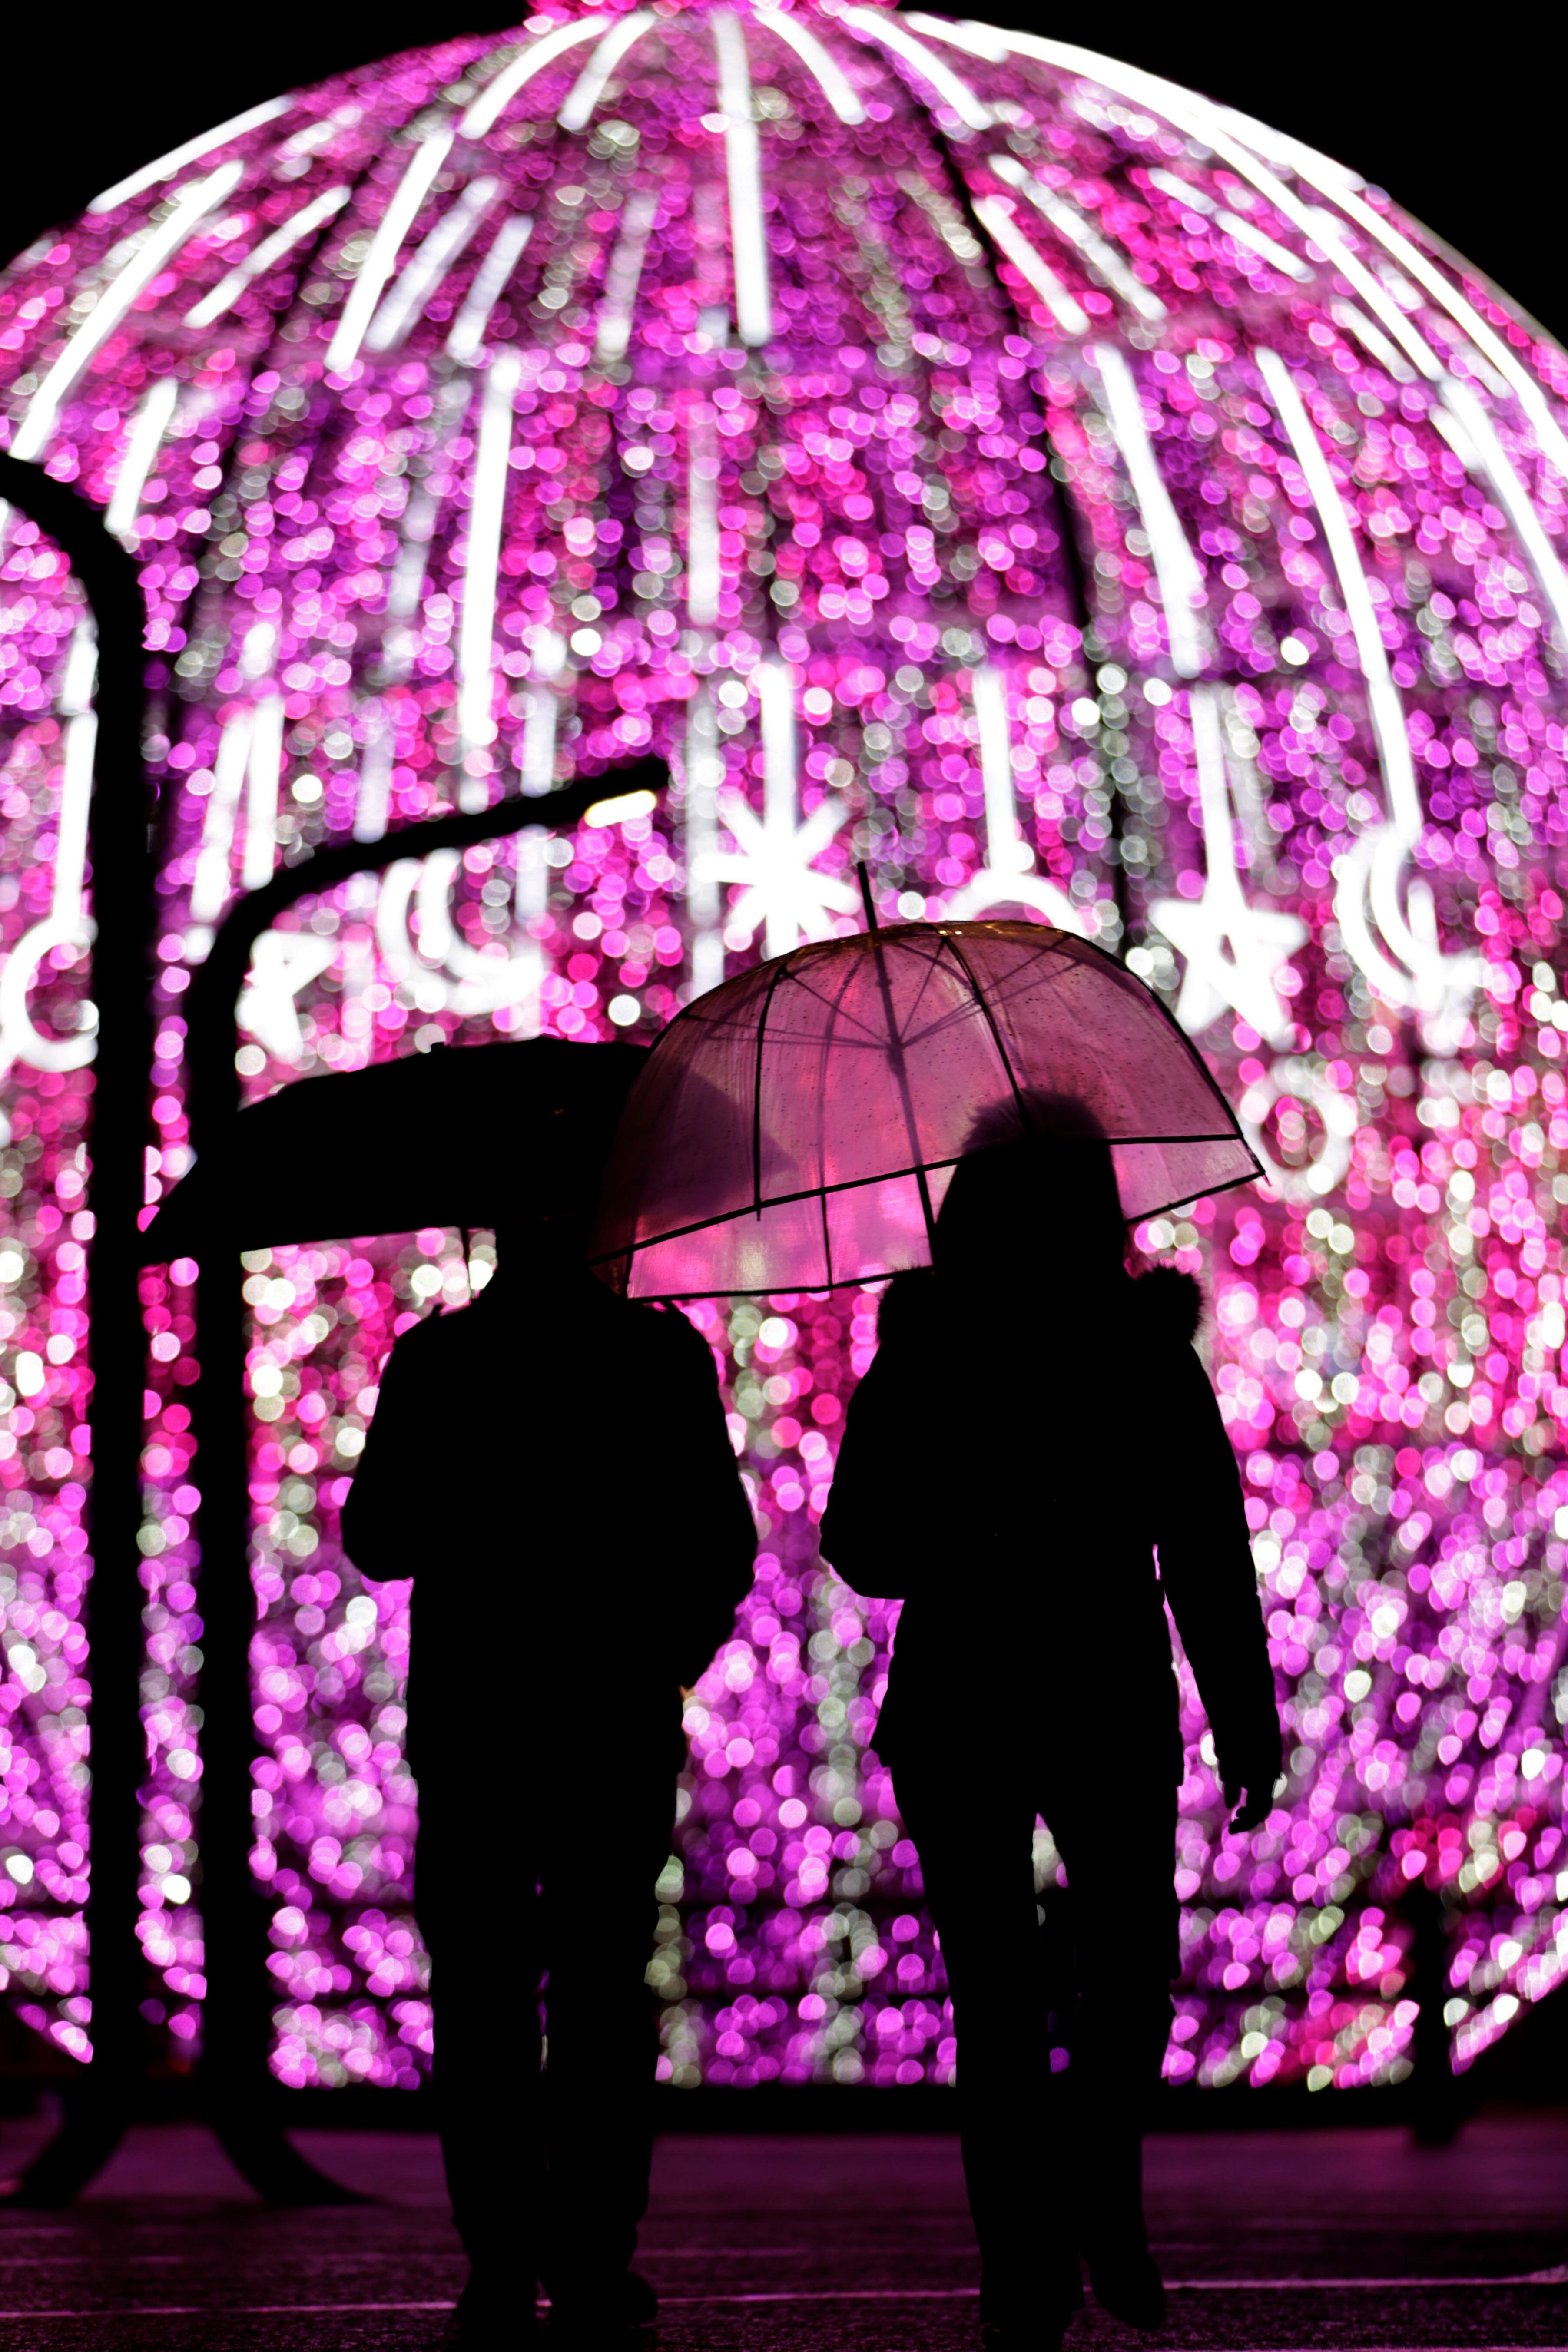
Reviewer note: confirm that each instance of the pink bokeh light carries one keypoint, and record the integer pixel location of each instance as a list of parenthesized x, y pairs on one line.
[(944, 447)]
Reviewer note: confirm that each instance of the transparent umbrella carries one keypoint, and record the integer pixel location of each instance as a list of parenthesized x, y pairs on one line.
[(798, 1126)]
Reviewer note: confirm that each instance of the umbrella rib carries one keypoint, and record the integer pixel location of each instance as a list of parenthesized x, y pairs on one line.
[(916, 1168), (964, 963), (1159, 1209), (757, 1089)]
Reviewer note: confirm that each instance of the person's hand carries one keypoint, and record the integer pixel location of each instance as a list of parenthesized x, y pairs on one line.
[(1251, 1792)]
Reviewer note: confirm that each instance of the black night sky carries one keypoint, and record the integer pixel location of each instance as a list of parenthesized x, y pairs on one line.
[(1465, 135)]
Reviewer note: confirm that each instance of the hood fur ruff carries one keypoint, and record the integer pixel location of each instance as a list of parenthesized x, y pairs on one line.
[(1171, 1302)]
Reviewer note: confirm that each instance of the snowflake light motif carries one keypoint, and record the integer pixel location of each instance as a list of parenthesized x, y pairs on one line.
[(946, 446)]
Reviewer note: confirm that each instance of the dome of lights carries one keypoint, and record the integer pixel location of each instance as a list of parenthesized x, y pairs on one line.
[(946, 448)]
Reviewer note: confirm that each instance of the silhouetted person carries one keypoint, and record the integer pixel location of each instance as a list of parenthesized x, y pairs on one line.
[(1035, 1427), (552, 1466)]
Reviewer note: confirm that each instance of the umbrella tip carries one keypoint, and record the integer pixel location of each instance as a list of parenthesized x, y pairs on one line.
[(866, 899)]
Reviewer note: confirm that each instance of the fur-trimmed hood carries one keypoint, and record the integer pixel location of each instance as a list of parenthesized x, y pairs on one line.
[(1171, 1302)]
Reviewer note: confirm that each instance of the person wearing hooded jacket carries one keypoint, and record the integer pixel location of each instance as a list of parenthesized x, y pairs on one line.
[(1035, 1433), (552, 1466)]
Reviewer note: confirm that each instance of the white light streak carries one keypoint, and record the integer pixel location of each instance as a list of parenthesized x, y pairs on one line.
[(1320, 228), (589, 87), (977, 40), (1179, 574), (374, 794), (468, 335), (742, 156), (476, 636), (141, 446), (158, 247), (20, 1038), (878, 25), (1372, 340), (425, 271), (1331, 181), (264, 777), (75, 781), (1259, 938), (384, 245), (1006, 850), (209, 887), (1512, 496), (1387, 711), (1243, 231), (1071, 225), (271, 249), (623, 276), (1004, 879), (488, 105), (702, 539), (775, 712), (281, 964), (773, 854), (704, 774), (1372, 871), (818, 62), (992, 213), (537, 767), (1183, 192), (1186, 111), (167, 165)]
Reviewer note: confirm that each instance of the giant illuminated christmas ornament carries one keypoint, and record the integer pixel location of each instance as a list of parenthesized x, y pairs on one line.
[(946, 448)]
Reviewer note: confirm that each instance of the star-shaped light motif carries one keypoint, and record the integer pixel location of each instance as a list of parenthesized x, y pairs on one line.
[(772, 857), (1259, 938), (281, 964)]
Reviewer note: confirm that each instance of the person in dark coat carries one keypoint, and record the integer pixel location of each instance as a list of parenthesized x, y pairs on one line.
[(1035, 1433), (553, 1468)]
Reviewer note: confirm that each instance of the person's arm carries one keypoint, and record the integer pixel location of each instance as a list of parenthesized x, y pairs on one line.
[(1206, 1566), (719, 1536), (856, 1536), (379, 1525)]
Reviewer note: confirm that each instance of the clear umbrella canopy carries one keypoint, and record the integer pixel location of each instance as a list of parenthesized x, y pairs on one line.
[(797, 1127)]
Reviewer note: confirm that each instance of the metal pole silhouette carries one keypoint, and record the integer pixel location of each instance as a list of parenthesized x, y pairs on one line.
[(120, 863)]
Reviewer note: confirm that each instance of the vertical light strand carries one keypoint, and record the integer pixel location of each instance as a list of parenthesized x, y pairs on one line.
[(704, 904), (209, 890), (422, 275), (623, 278), (142, 444), (156, 248), (385, 246), (1382, 695), (742, 156), (703, 579), (263, 780), (775, 706), (468, 335), (75, 781), (1179, 574), (1006, 852), (476, 727)]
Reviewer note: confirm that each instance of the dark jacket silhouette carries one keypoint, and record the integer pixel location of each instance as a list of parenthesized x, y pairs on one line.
[(553, 1468), (1035, 1433)]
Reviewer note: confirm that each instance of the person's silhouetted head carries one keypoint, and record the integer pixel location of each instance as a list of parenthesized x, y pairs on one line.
[(552, 1251), (1036, 1191)]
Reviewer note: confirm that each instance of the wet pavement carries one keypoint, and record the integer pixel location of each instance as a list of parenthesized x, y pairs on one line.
[(1326, 2240)]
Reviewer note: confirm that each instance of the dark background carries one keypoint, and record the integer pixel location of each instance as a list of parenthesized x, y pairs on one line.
[(1465, 129)]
